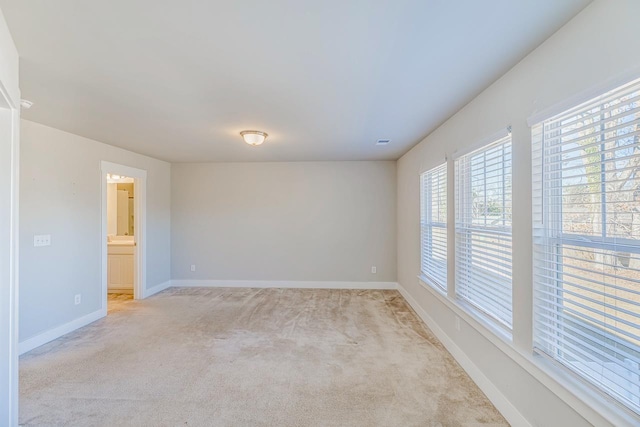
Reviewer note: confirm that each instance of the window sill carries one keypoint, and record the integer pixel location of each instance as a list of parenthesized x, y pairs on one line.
[(470, 314), (584, 398), (426, 282)]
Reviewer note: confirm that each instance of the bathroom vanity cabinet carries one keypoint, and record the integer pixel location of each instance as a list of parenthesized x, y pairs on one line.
[(120, 267)]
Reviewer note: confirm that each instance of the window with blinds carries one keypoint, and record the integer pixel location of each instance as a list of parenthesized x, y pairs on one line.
[(433, 226), (483, 230), (586, 200)]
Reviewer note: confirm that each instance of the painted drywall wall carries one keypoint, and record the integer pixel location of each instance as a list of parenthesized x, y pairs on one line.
[(61, 196), (9, 147), (112, 209), (9, 62), (298, 221), (598, 45)]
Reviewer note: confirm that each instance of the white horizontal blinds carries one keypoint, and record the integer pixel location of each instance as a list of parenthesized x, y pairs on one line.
[(586, 198), (433, 224), (483, 229)]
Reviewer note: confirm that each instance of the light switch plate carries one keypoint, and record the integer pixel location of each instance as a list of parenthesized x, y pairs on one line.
[(42, 240)]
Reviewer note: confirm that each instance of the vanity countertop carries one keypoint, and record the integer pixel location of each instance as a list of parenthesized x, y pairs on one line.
[(121, 243)]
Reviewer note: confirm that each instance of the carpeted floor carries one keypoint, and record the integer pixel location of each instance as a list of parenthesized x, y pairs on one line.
[(252, 357)]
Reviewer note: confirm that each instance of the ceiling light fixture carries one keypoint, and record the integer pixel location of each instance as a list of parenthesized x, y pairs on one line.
[(253, 137)]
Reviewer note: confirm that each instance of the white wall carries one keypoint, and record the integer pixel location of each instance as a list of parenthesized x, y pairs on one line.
[(601, 43), (298, 221), (112, 209), (9, 145), (8, 62), (61, 195)]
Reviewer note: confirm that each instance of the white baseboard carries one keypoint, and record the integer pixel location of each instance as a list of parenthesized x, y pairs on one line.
[(283, 284), (500, 401), (157, 288), (50, 335)]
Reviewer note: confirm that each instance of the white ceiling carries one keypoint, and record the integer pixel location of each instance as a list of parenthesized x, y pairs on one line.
[(178, 80)]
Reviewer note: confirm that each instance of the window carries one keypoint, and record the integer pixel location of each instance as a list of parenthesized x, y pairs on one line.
[(483, 230), (586, 200), (433, 225)]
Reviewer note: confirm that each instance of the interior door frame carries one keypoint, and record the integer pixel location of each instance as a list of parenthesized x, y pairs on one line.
[(9, 277), (139, 223)]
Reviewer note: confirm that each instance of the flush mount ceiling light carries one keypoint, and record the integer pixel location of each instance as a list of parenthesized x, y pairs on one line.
[(253, 137)]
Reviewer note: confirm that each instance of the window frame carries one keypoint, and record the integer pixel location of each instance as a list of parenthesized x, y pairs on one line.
[(427, 225), (464, 230), (550, 239)]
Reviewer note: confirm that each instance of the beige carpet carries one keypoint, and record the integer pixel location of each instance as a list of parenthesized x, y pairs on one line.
[(252, 357)]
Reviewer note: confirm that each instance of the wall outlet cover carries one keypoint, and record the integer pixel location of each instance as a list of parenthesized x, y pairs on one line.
[(42, 240)]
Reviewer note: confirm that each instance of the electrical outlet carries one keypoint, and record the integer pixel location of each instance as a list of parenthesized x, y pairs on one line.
[(193, 267), (42, 240), (78, 299), (374, 270), (457, 323)]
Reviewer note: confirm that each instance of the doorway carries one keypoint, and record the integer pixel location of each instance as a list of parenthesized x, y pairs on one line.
[(123, 235), (121, 242)]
